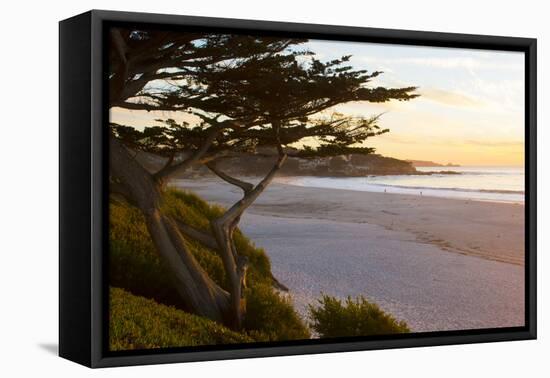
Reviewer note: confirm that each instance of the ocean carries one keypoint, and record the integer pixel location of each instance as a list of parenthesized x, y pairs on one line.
[(495, 184)]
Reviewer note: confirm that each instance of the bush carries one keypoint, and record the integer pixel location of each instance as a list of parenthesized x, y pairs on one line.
[(332, 318), (135, 266), (272, 314), (140, 323)]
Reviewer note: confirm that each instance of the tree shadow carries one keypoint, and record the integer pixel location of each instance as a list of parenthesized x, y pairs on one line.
[(51, 348)]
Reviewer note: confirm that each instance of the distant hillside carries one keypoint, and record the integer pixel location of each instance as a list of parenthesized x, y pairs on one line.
[(425, 163), (353, 165)]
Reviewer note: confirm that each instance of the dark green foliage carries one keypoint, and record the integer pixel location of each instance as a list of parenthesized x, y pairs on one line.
[(139, 56), (162, 140), (270, 95), (140, 323), (377, 164), (337, 163), (272, 314), (332, 150), (289, 86), (332, 318), (135, 266)]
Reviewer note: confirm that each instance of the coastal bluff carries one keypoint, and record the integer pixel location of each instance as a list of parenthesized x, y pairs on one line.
[(350, 165)]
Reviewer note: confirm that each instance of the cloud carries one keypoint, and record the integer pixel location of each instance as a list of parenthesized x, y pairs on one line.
[(468, 63), (449, 98), (447, 141), (495, 143)]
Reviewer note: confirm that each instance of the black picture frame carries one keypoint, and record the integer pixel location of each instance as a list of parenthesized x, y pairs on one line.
[(83, 189)]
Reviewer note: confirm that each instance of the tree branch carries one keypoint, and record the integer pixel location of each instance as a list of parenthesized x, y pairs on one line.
[(224, 227), (277, 284), (121, 190), (169, 161), (146, 107), (245, 186), (120, 45), (117, 83), (202, 237), (238, 208), (170, 170)]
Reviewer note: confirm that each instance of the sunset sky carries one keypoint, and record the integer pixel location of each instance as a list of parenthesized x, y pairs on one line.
[(470, 112)]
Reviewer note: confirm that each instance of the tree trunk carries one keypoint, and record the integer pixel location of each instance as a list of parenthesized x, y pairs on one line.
[(143, 190), (235, 267), (224, 229), (197, 289)]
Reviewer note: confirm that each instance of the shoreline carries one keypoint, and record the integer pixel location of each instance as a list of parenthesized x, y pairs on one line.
[(490, 230), (445, 193)]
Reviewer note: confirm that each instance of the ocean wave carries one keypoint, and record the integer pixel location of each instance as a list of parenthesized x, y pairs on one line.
[(474, 173), (496, 191), (466, 172), (501, 191)]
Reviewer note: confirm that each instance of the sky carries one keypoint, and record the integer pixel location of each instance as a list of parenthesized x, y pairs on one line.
[(470, 110)]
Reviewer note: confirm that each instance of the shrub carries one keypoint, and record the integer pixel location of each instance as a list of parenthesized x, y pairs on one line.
[(140, 323), (272, 314), (332, 318)]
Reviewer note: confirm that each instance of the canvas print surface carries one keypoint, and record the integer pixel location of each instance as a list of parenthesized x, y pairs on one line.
[(267, 189)]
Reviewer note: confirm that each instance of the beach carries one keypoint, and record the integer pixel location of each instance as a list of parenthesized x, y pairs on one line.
[(437, 263)]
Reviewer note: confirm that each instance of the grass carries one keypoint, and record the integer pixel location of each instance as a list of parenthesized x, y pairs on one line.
[(139, 323), (147, 312), (135, 267)]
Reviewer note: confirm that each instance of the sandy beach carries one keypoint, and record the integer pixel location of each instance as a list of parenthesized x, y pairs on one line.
[(439, 264)]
